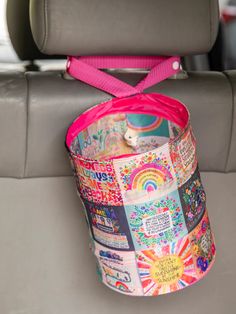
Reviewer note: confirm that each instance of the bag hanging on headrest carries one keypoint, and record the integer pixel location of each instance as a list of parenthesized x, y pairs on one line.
[(134, 159)]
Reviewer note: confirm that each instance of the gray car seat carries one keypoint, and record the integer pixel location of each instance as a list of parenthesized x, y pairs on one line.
[(46, 266)]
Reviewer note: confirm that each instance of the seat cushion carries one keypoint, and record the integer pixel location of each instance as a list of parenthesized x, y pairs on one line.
[(46, 266), (36, 110), (54, 102)]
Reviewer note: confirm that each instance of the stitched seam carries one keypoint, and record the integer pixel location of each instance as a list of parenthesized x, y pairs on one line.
[(232, 123), (27, 125), (71, 175), (45, 8)]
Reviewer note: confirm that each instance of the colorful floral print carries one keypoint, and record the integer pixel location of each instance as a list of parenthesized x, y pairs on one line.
[(203, 246), (183, 156), (193, 200), (157, 222)]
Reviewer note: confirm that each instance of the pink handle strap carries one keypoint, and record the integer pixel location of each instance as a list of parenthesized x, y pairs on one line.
[(86, 69)]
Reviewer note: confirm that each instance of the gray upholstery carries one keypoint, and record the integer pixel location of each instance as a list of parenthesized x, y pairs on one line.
[(134, 27), (232, 152), (13, 124), (46, 103), (47, 268)]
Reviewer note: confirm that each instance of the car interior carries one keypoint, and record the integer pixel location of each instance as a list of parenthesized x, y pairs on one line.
[(46, 266)]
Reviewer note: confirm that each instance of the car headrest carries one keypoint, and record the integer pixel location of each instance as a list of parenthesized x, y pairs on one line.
[(121, 27), (20, 33)]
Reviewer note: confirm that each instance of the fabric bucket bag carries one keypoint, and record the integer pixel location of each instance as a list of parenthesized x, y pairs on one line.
[(134, 160)]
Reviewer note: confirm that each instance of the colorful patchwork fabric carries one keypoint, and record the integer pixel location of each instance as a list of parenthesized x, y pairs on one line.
[(137, 175)]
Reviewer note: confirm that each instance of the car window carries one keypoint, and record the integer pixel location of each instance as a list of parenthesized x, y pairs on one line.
[(7, 53), (8, 57)]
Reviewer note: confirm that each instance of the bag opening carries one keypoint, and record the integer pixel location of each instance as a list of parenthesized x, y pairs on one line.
[(128, 126)]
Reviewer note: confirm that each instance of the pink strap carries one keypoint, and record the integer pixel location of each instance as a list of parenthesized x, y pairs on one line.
[(86, 69)]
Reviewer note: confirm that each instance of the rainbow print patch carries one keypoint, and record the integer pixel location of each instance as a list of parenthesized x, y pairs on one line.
[(145, 176)]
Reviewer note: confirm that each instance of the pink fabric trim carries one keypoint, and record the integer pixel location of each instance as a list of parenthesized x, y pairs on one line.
[(86, 69), (153, 104)]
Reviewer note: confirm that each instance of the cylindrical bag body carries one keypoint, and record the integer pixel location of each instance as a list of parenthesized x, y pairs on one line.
[(134, 159)]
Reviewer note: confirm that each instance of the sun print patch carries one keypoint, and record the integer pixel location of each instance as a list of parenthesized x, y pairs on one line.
[(168, 269)]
